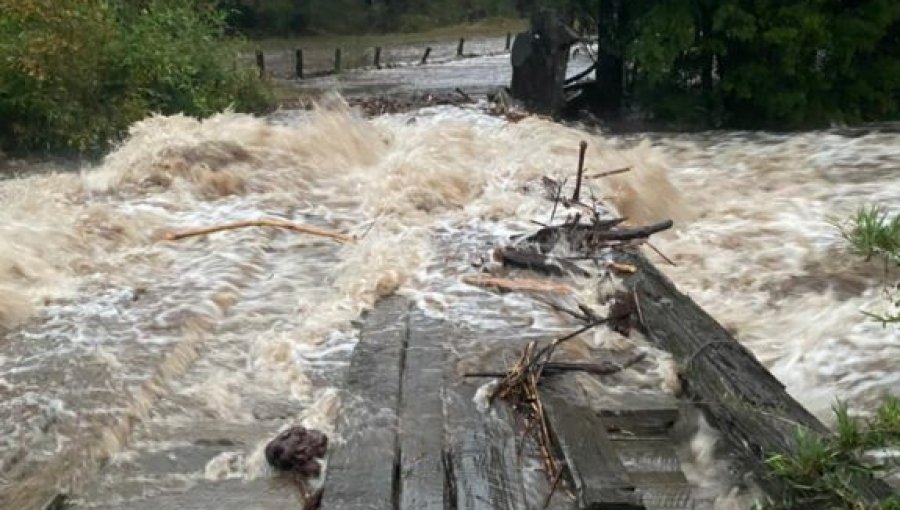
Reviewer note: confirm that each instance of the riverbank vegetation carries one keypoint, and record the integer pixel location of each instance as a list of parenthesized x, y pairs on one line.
[(873, 233), (74, 74), (821, 469)]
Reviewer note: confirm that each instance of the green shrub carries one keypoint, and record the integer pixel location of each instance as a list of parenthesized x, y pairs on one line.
[(74, 74)]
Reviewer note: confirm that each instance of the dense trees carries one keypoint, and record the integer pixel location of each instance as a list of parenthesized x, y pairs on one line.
[(74, 74), (757, 63)]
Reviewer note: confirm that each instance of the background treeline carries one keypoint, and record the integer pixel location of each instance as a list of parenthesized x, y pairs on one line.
[(755, 63), (74, 74), (293, 17)]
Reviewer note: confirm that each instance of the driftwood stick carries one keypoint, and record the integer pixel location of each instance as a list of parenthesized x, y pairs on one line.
[(607, 174), (556, 200), (466, 97), (629, 234), (661, 254), (558, 367), (581, 153), (296, 227), (523, 284), (536, 262)]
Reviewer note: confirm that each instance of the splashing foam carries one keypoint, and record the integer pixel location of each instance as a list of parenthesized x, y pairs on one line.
[(755, 256)]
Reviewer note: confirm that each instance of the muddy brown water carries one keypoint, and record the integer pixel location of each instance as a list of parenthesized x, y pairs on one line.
[(120, 348)]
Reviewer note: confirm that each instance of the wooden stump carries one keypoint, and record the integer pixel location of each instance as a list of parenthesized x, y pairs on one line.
[(540, 57)]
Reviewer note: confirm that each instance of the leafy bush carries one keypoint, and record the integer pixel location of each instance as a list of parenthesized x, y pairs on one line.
[(74, 74)]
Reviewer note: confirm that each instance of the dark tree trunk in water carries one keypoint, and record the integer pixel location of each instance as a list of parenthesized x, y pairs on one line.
[(610, 64), (540, 57)]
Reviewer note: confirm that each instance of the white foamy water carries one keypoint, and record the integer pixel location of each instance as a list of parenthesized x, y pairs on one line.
[(110, 332)]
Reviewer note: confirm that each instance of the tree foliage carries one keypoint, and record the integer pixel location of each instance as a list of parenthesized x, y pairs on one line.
[(74, 74), (757, 63)]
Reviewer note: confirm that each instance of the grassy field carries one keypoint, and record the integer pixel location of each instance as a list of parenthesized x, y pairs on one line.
[(486, 28)]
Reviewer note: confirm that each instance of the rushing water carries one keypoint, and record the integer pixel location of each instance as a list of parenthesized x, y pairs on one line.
[(111, 334)]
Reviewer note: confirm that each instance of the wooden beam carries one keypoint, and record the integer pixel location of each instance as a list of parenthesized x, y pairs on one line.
[(737, 393), (361, 470), (422, 416), (599, 478)]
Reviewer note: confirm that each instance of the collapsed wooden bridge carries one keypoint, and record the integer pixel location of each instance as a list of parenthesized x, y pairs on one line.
[(418, 433), (415, 440)]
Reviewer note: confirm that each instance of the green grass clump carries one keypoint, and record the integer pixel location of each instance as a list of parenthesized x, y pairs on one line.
[(822, 470), (873, 233)]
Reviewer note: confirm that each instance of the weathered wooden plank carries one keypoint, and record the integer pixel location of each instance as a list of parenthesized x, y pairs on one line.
[(485, 468), (673, 497), (643, 414), (361, 469), (422, 417), (651, 462), (738, 395), (599, 478)]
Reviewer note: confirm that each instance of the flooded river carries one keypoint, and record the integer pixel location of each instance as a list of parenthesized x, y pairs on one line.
[(117, 344)]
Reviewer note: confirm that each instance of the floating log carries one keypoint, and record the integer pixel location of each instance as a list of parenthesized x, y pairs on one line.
[(513, 257), (296, 227), (737, 394)]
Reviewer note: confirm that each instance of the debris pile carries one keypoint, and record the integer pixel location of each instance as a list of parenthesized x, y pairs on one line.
[(587, 243)]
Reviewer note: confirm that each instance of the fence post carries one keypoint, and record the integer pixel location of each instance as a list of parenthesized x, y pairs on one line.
[(299, 64), (261, 63), (378, 57), (425, 56), (508, 40), (337, 60), (459, 49)]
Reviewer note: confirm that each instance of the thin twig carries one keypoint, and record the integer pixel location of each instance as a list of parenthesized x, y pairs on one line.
[(556, 200), (609, 173), (661, 254), (553, 487)]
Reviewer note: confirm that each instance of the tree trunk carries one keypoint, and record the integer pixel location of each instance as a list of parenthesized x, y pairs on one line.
[(540, 58)]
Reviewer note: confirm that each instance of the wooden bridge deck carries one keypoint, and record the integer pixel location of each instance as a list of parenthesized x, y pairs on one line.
[(413, 438)]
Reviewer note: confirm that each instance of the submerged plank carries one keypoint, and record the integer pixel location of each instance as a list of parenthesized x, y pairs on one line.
[(421, 416), (643, 414), (487, 475), (361, 470), (598, 476)]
